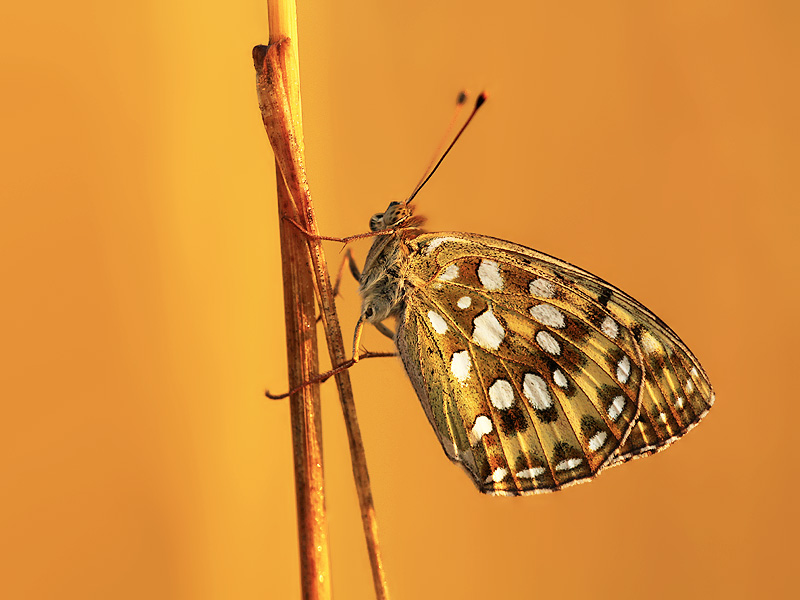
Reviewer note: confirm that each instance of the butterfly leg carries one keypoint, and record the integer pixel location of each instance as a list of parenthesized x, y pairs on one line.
[(328, 374), (313, 236), (384, 330), (357, 356), (357, 338), (347, 259), (343, 240)]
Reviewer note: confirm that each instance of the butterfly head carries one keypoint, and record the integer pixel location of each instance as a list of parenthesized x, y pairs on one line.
[(396, 215)]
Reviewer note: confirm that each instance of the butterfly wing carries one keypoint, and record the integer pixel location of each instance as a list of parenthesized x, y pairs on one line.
[(534, 373)]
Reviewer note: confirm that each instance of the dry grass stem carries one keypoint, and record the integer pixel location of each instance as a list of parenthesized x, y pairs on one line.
[(305, 273)]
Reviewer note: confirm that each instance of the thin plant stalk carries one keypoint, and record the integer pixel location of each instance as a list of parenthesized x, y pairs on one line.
[(302, 355)]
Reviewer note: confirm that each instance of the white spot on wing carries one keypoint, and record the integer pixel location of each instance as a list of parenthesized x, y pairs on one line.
[(597, 440), (489, 274), (542, 288), (610, 328), (482, 426), (450, 273), (679, 402), (616, 407), (662, 417), (438, 323), (530, 473), (694, 372), (488, 333), (434, 244), (535, 390), (560, 380), (497, 475), (689, 386), (548, 343), (460, 365), (650, 343), (464, 302), (549, 315), (623, 369), (569, 463), (501, 394)]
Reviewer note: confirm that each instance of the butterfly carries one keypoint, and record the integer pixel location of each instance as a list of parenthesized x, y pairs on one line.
[(534, 373)]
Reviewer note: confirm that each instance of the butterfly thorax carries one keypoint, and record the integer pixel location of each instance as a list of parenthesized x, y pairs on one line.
[(383, 284)]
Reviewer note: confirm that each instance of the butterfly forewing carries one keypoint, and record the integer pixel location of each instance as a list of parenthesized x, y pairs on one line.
[(534, 373)]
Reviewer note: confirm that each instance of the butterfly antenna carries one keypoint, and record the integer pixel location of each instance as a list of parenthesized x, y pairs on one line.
[(460, 102), (461, 99)]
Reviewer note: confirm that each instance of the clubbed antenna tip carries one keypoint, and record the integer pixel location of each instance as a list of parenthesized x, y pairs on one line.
[(461, 99)]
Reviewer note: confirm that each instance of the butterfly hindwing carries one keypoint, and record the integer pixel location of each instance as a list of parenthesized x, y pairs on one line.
[(677, 393), (536, 374)]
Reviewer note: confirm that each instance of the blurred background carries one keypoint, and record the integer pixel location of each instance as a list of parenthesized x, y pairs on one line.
[(652, 143)]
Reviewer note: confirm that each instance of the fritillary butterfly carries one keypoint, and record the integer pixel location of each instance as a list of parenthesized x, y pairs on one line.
[(534, 373)]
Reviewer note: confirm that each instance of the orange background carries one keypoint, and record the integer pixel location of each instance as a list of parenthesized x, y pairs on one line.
[(653, 143)]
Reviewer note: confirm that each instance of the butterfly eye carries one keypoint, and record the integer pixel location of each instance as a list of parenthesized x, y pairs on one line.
[(376, 222), (378, 309)]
